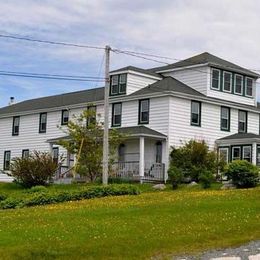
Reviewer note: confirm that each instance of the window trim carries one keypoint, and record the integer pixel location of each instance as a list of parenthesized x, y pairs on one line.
[(232, 152), (113, 109), (223, 82), (219, 79), (228, 152), (242, 85), (40, 130), (140, 122), (88, 119), (191, 123), (221, 128), (246, 122), (62, 114), (13, 128), (118, 92), (4, 166), (57, 149), (246, 78), (119, 84), (23, 152), (242, 154)]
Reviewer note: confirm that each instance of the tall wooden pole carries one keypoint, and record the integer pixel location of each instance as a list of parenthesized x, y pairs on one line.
[(106, 118)]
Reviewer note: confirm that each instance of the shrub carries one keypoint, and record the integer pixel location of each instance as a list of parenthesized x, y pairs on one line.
[(175, 176), (193, 158), (38, 188), (206, 178), (3, 197), (242, 173), (49, 197), (37, 169)]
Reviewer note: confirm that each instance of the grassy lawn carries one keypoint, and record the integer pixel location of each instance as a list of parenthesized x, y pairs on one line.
[(131, 227)]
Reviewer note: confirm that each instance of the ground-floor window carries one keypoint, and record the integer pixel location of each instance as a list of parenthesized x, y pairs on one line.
[(55, 154), (247, 153), (242, 152), (224, 154), (7, 160), (258, 155), (236, 153)]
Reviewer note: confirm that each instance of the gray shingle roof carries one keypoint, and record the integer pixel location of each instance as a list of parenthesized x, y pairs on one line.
[(167, 84), (67, 99), (210, 59), (240, 136), (140, 70)]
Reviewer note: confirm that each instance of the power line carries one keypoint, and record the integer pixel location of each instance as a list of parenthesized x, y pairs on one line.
[(51, 42)]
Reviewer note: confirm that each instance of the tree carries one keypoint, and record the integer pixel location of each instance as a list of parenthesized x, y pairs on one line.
[(193, 158), (86, 141)]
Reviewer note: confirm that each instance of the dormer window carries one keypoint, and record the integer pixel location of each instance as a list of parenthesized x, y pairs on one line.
[(118, 84), (238, 84), (249, 87), (227, 81), (215, 83)]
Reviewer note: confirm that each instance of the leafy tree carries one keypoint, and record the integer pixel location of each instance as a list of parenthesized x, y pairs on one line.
[(86, 141), (193, 158)]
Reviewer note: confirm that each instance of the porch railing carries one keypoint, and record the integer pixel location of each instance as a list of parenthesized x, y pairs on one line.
[(154, 172), (64, 171)]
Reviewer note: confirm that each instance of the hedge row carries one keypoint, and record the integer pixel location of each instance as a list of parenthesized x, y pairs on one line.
[(43, 197)]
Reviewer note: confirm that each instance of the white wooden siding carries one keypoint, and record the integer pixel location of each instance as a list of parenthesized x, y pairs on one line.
[(196, 78), (137, 82)]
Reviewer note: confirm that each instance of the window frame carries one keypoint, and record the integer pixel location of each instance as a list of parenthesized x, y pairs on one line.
[(223, 82), (40, 123), (228, 123), (13, 128), (62, 117), (89, 119), (119, 84), (232, 153), (113, 115), (242, 84), (199, 113), (246, 78), (219, 78), (56, 160), (25, 151), (242, 154), (140, 121), (224, 148), (246, 121), (5, 156)]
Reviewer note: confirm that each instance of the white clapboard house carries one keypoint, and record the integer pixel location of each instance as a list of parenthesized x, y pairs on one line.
[(202, 97)]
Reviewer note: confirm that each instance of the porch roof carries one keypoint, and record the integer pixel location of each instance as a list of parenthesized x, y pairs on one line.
[(239, 138), (132, 131)]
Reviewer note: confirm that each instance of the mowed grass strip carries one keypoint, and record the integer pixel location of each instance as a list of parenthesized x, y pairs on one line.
[(132, 227)]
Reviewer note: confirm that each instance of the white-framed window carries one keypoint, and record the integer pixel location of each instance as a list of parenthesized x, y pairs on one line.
[(225, 119), (43, 123), (114, 84), (249, 87), (16, 125), (247, 153), (7, 160), (236, 153), (118, 84), (116, 114), (122, 84), (215, 79), (64, 117), (242, 121), (223, 153), (25, 153), (227, 81), (239, 84), (144, 106)]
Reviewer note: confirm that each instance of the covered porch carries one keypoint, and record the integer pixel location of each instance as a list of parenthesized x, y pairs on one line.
[(240, 146)]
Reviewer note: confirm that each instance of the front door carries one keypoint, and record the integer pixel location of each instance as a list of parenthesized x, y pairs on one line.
[(158, 158)]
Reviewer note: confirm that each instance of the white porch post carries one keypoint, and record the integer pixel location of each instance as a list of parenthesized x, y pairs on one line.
[(254, 153), (141, 158), (165, 158)]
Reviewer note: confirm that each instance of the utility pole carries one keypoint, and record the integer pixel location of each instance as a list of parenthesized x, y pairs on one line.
[(106, 118)]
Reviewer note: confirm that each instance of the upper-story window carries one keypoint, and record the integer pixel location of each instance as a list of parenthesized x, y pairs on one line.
[(64, 117), (238, 84), (118, 84), (144, 108), (215, 83), (242, 121), (91, 115), (43, 123), (225, 119), (16, 125), (227, 81), (116, 114), (195, 113), (249, 87)]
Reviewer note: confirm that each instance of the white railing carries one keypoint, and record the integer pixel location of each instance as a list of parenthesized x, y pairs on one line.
[(154, 172)]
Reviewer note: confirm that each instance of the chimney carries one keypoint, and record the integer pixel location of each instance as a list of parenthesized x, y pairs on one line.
[(11, 102)]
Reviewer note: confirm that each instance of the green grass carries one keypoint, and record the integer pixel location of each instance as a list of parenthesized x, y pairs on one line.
[(163, 224)]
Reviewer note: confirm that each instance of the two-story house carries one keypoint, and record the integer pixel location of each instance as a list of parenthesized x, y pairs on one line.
[(202, 97)]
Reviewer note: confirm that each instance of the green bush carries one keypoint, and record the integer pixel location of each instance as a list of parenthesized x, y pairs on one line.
[(3, 197), (37, 169), (193, 158), (49, 197), (206, 178), (118, 180), (38, 188), (242, 173), (175, 176)]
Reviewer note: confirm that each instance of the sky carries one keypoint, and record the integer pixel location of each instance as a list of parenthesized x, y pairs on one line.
[(174, 28)]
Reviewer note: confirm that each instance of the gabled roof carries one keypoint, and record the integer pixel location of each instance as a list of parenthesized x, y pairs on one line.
[(206, 58), (63, 100), (240, 136), (136, 69), (168, 84)]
